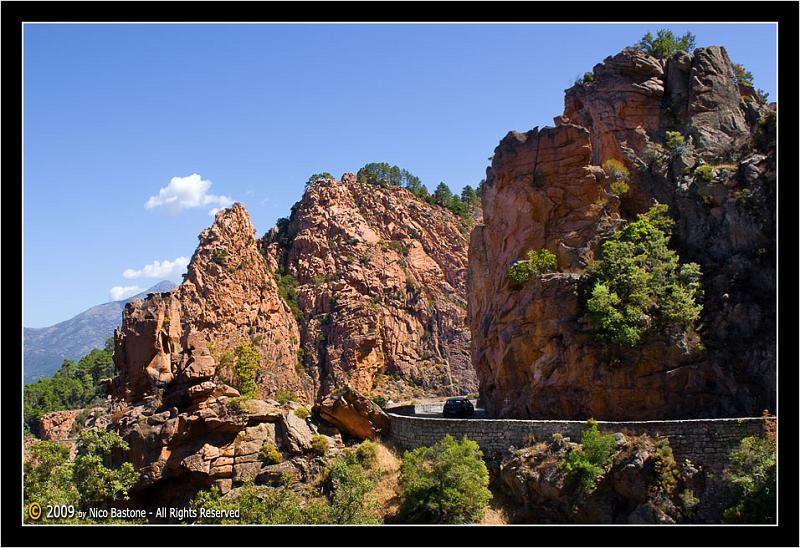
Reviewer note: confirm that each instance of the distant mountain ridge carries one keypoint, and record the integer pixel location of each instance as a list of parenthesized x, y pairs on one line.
[(46, 348)]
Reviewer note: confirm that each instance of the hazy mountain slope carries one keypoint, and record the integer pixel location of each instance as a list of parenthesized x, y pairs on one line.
[(46, 348)]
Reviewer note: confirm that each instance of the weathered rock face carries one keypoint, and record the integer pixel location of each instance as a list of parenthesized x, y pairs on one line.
[(532, 347), (228, 297), (382, 288), (354, 414), (631, 491), (215, 440), (56, 426)]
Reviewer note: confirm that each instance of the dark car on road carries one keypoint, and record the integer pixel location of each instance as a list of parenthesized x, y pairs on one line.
[(458, 407)]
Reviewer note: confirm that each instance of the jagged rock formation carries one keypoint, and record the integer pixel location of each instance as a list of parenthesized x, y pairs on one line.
[(188, 430), (228, 297), (382, 289), (633, 489), (532, 347)]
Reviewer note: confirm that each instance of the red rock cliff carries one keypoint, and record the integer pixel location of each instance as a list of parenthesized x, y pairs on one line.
[(531, 347)]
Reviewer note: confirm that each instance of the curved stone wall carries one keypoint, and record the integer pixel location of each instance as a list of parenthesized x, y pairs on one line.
[(703, 441)]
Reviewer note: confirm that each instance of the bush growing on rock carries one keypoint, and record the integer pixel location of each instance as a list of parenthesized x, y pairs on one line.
[(285, 396), (444, 483), (348, 481), (319, 444), (536, 262), (270, 454), (244, 370), (97, 483), (587, 463), (674, 139), (301, 413), (665, 43), (751, 480), (639, 282), (319, 177), (705, 173)]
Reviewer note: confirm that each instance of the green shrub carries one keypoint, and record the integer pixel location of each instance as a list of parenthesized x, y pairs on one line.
[(705, 173), (674, 139), (347, 482), (48, 478), (285, 396), (542, 260), (244, 370), (519, 272), (367, 453), (666, 468), (743, 76), (97, 483), (751, 480), (261, 505), (587, 463), (444, 483), (665, 43), (638, 282), (380, 401), (301, 413), (270, 454), (536, 262), (319, 177), (618, 188), (616, 170), (319, 444)]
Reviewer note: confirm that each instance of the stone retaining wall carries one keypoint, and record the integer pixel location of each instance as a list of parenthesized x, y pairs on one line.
[(703, 441)]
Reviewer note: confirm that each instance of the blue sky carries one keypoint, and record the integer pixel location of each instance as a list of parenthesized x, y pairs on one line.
[(114, 112)]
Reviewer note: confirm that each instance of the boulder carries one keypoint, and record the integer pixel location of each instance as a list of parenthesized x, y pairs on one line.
[(354, 414)]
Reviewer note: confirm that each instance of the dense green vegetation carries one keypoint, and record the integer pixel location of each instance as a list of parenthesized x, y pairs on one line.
[(287, 289), (341, 497), (73, 386), (587, 463), (50, 478), (385, 175), (244, 370), (665, 43), (444, 483), (348, 480), (639, 285), (537, 261), (751, 479)]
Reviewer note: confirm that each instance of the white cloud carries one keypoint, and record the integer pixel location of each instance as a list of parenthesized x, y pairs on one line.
[(186, 193), (119, 292), (159, 269)]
